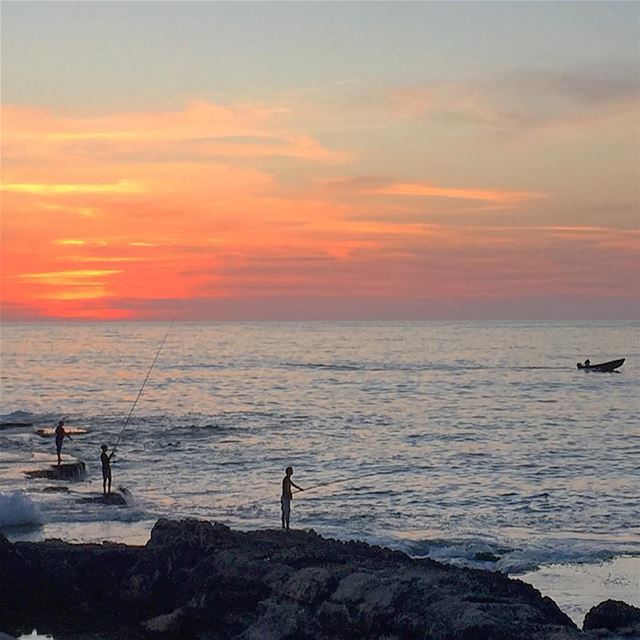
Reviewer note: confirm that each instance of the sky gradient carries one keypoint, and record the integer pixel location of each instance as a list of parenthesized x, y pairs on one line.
[(203, 161)]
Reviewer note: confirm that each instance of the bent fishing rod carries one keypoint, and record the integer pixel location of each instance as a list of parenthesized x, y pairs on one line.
[(365, 475), (142, 388)]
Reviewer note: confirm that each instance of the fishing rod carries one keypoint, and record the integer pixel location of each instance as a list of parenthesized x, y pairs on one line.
[(365, 475), (142, 388)]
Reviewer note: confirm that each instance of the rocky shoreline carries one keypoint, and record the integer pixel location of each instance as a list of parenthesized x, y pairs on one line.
[(194, 579)]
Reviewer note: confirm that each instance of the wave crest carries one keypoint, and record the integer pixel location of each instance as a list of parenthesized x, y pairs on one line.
[(17, 509)]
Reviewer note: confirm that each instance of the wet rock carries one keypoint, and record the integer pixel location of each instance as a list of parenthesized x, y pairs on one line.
[(613, 615), (15, 425), (110, 498), (67, 471)]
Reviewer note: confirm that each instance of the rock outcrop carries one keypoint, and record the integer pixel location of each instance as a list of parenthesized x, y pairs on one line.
[(194, 579), (614, 615), (68, 471), (15, 425), (114, 498)]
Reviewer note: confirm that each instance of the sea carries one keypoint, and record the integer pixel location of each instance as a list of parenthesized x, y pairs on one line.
[(478, 444)]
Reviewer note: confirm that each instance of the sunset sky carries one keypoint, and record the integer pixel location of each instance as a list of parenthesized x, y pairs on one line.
[(215, 161)]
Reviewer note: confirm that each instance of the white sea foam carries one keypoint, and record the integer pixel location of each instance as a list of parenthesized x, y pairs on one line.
[(17, 509), (128, 496), (513, 555)]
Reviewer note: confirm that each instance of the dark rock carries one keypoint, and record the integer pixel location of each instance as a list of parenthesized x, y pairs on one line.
[(110, 498), (486, 556), (14, 425), (197, 579), (68, 471), (613, 615)]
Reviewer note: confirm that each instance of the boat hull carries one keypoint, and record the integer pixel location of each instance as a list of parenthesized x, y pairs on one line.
[(603, 367)]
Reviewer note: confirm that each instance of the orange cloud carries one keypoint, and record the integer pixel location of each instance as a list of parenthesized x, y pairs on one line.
[(66, 277), (122, 186), (202, 130), (484, 195), (70, 242)]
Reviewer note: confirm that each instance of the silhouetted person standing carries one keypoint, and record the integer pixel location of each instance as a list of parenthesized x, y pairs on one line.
[(285, 500), (106, 469), (61, 434)]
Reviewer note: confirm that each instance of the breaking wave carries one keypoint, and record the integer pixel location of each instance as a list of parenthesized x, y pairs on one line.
[(17, 509)]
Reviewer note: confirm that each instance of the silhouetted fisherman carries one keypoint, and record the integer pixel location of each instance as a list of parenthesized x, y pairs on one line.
[(61, 434), (106, 469), (287, 497)]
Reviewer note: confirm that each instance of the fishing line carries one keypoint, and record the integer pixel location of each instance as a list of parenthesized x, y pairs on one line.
[(142, 388), (366, 475)]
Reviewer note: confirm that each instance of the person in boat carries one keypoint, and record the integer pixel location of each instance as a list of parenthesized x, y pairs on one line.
[(106, 469), (60, 434), (287, 496), (587, 363)]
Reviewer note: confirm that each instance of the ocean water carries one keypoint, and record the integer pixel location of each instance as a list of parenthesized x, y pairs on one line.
[(451, 440)]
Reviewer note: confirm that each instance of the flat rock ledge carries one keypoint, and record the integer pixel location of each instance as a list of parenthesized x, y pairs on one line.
[(199, 580)]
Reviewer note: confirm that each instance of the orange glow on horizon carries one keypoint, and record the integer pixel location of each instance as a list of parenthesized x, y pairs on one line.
[(216, 202)]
